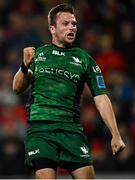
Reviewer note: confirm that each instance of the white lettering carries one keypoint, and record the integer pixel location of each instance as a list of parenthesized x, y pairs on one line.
[(66, 73), (33, 152), (41, 70), (69, 75), (58, 53), (60, 71), (96, 69)]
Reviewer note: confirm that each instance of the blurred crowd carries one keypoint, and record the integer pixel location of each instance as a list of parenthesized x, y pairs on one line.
[(106, 30)]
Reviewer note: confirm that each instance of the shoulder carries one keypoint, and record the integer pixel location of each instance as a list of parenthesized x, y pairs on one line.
[(79, 50), (43, 48), (87, 57)]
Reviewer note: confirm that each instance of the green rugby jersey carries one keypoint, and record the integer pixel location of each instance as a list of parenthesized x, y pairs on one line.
[(59, 75)]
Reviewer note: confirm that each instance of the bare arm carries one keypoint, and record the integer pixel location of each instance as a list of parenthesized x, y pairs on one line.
[(22, 79), (105, 109)]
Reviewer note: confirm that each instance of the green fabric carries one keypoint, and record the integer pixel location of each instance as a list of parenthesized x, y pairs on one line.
[(58, 80), (58, 146), (52, 125)]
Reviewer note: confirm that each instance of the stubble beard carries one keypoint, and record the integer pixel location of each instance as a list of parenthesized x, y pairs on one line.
[(67, 41)]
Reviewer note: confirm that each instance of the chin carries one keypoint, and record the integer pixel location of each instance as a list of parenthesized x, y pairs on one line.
[(69, 41)]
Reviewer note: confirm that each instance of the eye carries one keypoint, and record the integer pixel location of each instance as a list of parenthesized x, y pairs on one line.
[(74, 23), (65, 23)]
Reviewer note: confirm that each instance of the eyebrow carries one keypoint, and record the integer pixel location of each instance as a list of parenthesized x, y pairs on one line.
[(73, 21)]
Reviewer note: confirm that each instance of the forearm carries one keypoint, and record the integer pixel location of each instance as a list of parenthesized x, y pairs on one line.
[(20, 81), (23, 77), (105, 109)]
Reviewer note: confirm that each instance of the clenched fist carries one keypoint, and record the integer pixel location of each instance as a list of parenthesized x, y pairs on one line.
[(117, 145), (28, 55)]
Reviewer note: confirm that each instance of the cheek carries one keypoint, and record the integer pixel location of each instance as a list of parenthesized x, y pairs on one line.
[(76, 29), (61, 32)]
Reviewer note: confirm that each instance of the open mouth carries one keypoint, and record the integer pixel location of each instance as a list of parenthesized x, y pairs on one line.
[(70, 34)]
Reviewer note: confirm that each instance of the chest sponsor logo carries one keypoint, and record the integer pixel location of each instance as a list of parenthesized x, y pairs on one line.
[(36, 151), (67, 74), (58, 53)]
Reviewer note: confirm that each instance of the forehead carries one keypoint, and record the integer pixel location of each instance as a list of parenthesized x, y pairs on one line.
[(65, 16)]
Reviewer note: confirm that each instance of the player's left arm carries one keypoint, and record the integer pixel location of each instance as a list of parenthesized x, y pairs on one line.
[(105, 109)]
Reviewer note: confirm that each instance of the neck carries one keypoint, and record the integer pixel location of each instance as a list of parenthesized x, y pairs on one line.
[(60, 44)]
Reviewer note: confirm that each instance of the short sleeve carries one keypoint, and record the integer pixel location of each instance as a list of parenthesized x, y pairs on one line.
[(94, 78)]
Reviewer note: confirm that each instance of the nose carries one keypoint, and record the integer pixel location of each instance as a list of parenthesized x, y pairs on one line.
[(72, 27)]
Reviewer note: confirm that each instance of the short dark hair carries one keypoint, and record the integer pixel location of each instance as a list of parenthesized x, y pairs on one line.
[(59, 8)]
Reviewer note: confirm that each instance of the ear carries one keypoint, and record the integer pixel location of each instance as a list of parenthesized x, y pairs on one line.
[(52, 29)]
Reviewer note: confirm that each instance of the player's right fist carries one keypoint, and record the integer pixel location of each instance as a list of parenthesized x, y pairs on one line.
[(28, 55)]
